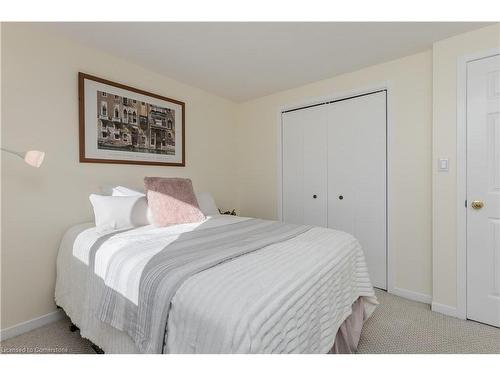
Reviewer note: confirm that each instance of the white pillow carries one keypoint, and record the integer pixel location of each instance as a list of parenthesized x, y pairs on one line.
[(207, 204), (122, 191), (114, 212), (205, 200)]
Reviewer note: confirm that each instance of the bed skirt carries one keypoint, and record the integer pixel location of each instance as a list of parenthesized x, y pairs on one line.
[(346, 339), (349, 333)]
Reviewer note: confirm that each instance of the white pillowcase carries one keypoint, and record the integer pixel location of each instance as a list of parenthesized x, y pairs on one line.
[(205, 200), (207, 204), (119, 212), (122, 191)]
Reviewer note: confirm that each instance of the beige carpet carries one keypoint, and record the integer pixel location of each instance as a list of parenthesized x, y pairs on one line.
[(397, 326), (402, 326)]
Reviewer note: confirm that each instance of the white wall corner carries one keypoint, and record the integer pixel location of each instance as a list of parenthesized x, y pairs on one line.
[(30, 325), (411, 295), (445, 310)]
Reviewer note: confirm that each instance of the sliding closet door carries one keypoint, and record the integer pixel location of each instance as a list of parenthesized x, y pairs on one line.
[(304, 166), (357, 176)]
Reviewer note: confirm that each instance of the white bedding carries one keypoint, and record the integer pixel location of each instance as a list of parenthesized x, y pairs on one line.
[(288, 297)]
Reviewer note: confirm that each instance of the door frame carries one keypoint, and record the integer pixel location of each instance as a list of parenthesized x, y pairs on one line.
[(461, 311), (387, 86)]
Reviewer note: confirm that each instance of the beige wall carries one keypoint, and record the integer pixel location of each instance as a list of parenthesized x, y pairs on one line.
[(445, 58), (1, 160), (39, 73), (411, 90), (231, 151)]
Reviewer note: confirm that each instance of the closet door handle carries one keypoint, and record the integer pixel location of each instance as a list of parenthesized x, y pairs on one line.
[(315, 196), (341, 197)]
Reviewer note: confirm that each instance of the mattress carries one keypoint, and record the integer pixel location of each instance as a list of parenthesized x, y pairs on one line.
[(289, 297)]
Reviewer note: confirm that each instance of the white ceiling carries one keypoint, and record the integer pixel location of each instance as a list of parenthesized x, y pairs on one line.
[(241, 61)]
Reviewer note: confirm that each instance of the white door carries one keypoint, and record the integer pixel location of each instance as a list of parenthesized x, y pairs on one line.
[(357, 156), (304, 166), (483, 190)]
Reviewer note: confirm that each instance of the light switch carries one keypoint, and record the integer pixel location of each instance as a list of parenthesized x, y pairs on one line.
[(443, 165)]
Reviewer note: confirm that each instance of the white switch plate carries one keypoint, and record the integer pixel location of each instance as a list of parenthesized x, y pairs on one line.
[(443, 165)]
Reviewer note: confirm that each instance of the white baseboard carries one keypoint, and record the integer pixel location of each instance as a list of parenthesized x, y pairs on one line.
[(414, 296), (30, 325), (445, 309)]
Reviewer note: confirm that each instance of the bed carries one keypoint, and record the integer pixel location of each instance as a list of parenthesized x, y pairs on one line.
[(267, 287)]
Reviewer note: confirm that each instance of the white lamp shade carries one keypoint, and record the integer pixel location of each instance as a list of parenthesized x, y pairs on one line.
[(34, 158)]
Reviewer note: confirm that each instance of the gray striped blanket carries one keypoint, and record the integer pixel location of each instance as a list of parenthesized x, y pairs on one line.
[(191, 253)]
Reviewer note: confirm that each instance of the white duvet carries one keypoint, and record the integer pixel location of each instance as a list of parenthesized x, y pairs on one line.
[(290, 297)]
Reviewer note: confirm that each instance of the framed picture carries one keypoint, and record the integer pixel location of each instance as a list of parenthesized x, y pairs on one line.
[(124, 125)]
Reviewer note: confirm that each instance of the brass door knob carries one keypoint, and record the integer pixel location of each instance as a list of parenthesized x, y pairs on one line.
[(477, 205)]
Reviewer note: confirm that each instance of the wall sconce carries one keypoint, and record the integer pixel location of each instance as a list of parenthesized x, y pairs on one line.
[(33, 158)]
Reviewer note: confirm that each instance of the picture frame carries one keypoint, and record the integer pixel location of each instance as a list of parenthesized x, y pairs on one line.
[(120, 124)]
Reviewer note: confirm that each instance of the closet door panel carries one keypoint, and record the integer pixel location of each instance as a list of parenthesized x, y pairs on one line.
[(305, 166), (293, 168), (315, 167), (357, 176), (341, 192)]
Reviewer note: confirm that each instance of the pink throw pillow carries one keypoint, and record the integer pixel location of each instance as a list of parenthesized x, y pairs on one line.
[(172, 201)]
